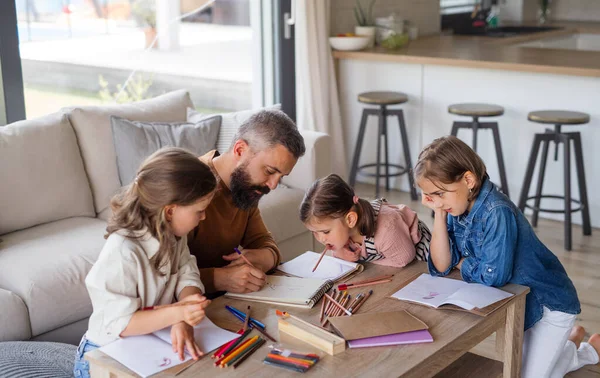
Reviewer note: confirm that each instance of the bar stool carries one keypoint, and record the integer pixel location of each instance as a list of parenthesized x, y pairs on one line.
[(476, 111), (558, 119), (383, 100)]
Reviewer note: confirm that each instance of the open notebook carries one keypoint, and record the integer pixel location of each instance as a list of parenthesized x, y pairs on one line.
[(438, 291), (288, 291), (149, 354), (330, 268)]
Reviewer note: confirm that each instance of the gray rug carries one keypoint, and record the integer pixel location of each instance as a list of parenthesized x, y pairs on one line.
[(33, 359)]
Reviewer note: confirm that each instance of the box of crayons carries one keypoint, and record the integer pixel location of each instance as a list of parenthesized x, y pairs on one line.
[(289, 360)]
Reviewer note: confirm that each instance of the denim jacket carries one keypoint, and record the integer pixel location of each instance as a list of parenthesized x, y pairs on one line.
[(499, 246)]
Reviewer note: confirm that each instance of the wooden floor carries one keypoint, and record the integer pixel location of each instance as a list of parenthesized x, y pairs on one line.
[(582, 264)]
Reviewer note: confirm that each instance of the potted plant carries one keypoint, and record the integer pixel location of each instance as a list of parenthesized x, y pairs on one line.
[(144, 13), (544, 11), (365, 26)]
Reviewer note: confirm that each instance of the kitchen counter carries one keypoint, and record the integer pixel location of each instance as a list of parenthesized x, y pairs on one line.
[(494, 53)]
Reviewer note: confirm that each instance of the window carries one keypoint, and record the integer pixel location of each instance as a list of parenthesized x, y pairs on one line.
[(83, 52)]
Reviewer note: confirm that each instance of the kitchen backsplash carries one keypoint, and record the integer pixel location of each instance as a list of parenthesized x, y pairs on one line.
[(425, 14), (575, 10)]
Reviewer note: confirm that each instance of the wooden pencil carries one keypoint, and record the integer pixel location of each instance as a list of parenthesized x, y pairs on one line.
[(348, 287), (324, 299), (247, 319), (338, 305), (379, 278), (362, 301), (320, 258)]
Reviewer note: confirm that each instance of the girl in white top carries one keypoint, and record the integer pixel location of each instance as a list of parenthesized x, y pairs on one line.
[(146, 262)]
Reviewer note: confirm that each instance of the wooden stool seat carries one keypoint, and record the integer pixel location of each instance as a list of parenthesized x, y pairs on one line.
[(559, 117), (382, 98), (476, 110)]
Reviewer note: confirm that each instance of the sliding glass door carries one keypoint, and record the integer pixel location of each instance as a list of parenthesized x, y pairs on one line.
[(89, 52)]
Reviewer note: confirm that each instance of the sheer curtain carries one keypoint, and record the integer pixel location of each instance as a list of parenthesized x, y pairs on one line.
[(317, 103)]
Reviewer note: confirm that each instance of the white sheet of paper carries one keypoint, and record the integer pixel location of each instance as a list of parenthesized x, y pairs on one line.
[(150, 354), (146, 355), (330, 267)]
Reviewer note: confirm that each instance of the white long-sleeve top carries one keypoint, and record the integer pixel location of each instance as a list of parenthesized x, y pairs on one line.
[(123, 281)]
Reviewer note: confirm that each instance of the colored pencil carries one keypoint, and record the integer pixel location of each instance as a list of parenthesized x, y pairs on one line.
[(304, 363), (264, 333), (247, 319), (355, 301), (237, 350), (243, 351), (249, 353), (359, 304), (242, 316), (237, 342), (322, 312), (309, 357), (244, 257), (320, 258), (337, 311), (338, 305), (345, 287), (379, 278), (328, 305), (283, 365), (224, 346)]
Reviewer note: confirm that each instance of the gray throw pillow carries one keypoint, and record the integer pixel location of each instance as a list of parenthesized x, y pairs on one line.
[(230, 124), (134, 141)]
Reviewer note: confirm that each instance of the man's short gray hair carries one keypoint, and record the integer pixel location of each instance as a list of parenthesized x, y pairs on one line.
[(269, 128)]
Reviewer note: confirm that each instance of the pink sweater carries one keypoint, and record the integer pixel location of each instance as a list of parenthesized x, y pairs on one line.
[(396, 234)]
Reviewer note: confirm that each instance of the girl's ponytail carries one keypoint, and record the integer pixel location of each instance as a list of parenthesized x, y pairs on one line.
[(366, 217)]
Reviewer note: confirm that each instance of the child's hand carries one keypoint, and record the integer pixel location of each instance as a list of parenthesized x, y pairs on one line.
[(348, 252), (194, 313), (182, 337), (430, 203)]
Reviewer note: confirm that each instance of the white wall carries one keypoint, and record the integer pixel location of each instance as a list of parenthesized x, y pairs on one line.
[(432, 88), (425, 14)]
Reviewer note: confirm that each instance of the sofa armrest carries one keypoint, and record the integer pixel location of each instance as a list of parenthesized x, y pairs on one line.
[(315, 163)]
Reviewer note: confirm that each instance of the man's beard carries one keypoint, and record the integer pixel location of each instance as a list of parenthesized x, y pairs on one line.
[(243, 191)]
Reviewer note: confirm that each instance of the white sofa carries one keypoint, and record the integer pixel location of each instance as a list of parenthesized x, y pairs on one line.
[(57, 174)]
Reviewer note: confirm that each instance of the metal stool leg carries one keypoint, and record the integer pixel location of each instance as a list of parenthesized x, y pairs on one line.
[(407, 159), (387, 161), (540, 183), (358, 148), (378, 168), (500, 158), (585, 209), (475, 127), (529, 172), (567, 168), (455, 127)]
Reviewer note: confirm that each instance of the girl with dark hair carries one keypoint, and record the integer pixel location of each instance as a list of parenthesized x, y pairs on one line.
[(355, 229)]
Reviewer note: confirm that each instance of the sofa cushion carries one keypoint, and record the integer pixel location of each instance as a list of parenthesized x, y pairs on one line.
[(93, 129), (231, 122), (42, 173), (14, 322), (134, 141), (279, 210), (46, 266)]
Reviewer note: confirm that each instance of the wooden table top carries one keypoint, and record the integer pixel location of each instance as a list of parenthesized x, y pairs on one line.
[(493, 53), (451, 330)]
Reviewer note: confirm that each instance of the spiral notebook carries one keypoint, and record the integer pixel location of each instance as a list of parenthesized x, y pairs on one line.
[(330, 268), (288, 291)]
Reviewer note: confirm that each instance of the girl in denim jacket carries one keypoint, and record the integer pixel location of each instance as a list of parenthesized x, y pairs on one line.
[(478, 230)]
